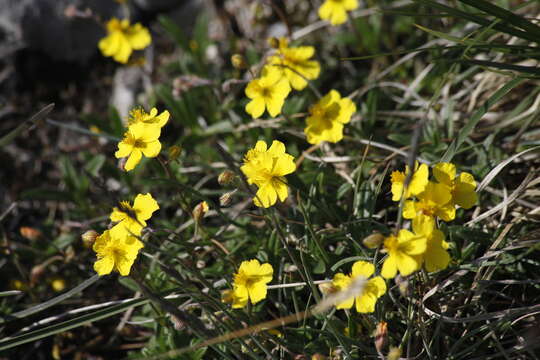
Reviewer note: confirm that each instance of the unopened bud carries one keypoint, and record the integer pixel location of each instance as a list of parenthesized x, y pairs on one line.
[(226, 177), (58, 284), (225, 199), (238, 62), (394, 353), (89, 237), (381, 336), (30, 233), (200, 210), (273, 42), (373, 241), (174, 152), (318, 356)]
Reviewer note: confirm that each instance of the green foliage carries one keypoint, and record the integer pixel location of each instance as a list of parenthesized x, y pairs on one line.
[(450, 70)]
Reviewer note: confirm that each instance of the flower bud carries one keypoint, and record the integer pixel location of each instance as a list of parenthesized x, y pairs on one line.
[(238, 62), (226, 177), (200, 210), (174, 152), (30, 233), (89, 237), (381, 336), (273, 42), (373, 241), (225, 199), (58, 284)]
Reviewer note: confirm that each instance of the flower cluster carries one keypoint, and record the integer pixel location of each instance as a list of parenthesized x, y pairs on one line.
[(122, 38), (290, 67), (117, 248), (425, 202), (142, 136)]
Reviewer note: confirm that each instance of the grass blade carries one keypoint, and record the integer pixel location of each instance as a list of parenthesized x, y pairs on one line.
[(475, 118)]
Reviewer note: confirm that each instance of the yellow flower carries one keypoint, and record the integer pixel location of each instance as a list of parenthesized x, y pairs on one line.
[(327, 117), (266, 168), (250, 282), (131, 219), (374, 288), (404, 252), (436, 257), (294, 64), (139, 139), (461, 187), (435, 200), (123, 38), (269, 91), (417, 184), (138, 115), (115, 253), (335, 11)]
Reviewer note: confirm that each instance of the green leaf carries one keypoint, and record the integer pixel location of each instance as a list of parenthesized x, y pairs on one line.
[(95, 164), (480, 20), (505, 15)]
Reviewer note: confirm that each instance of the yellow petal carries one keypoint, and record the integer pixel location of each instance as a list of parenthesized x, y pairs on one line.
[(409, 209), (257, 292), (389, 268), (406, 264), (256, 107), (133, 160), (253, 89), (274, 105), (145, 205), (104, 265), (124, 265), (266, 196), (445, 173), (281, 189), (362, 268), (419, 180), (138, 37), (124, 150), (152, 149), (350, 4), (284, 165)]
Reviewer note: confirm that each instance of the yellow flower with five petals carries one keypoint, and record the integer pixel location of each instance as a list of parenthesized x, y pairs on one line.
[(335, 11), (139, 139), (266, 168), (115, 253), (267, 92), (327, 117), (122, 38), (250, 282), (373, 289), (294, 63)]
